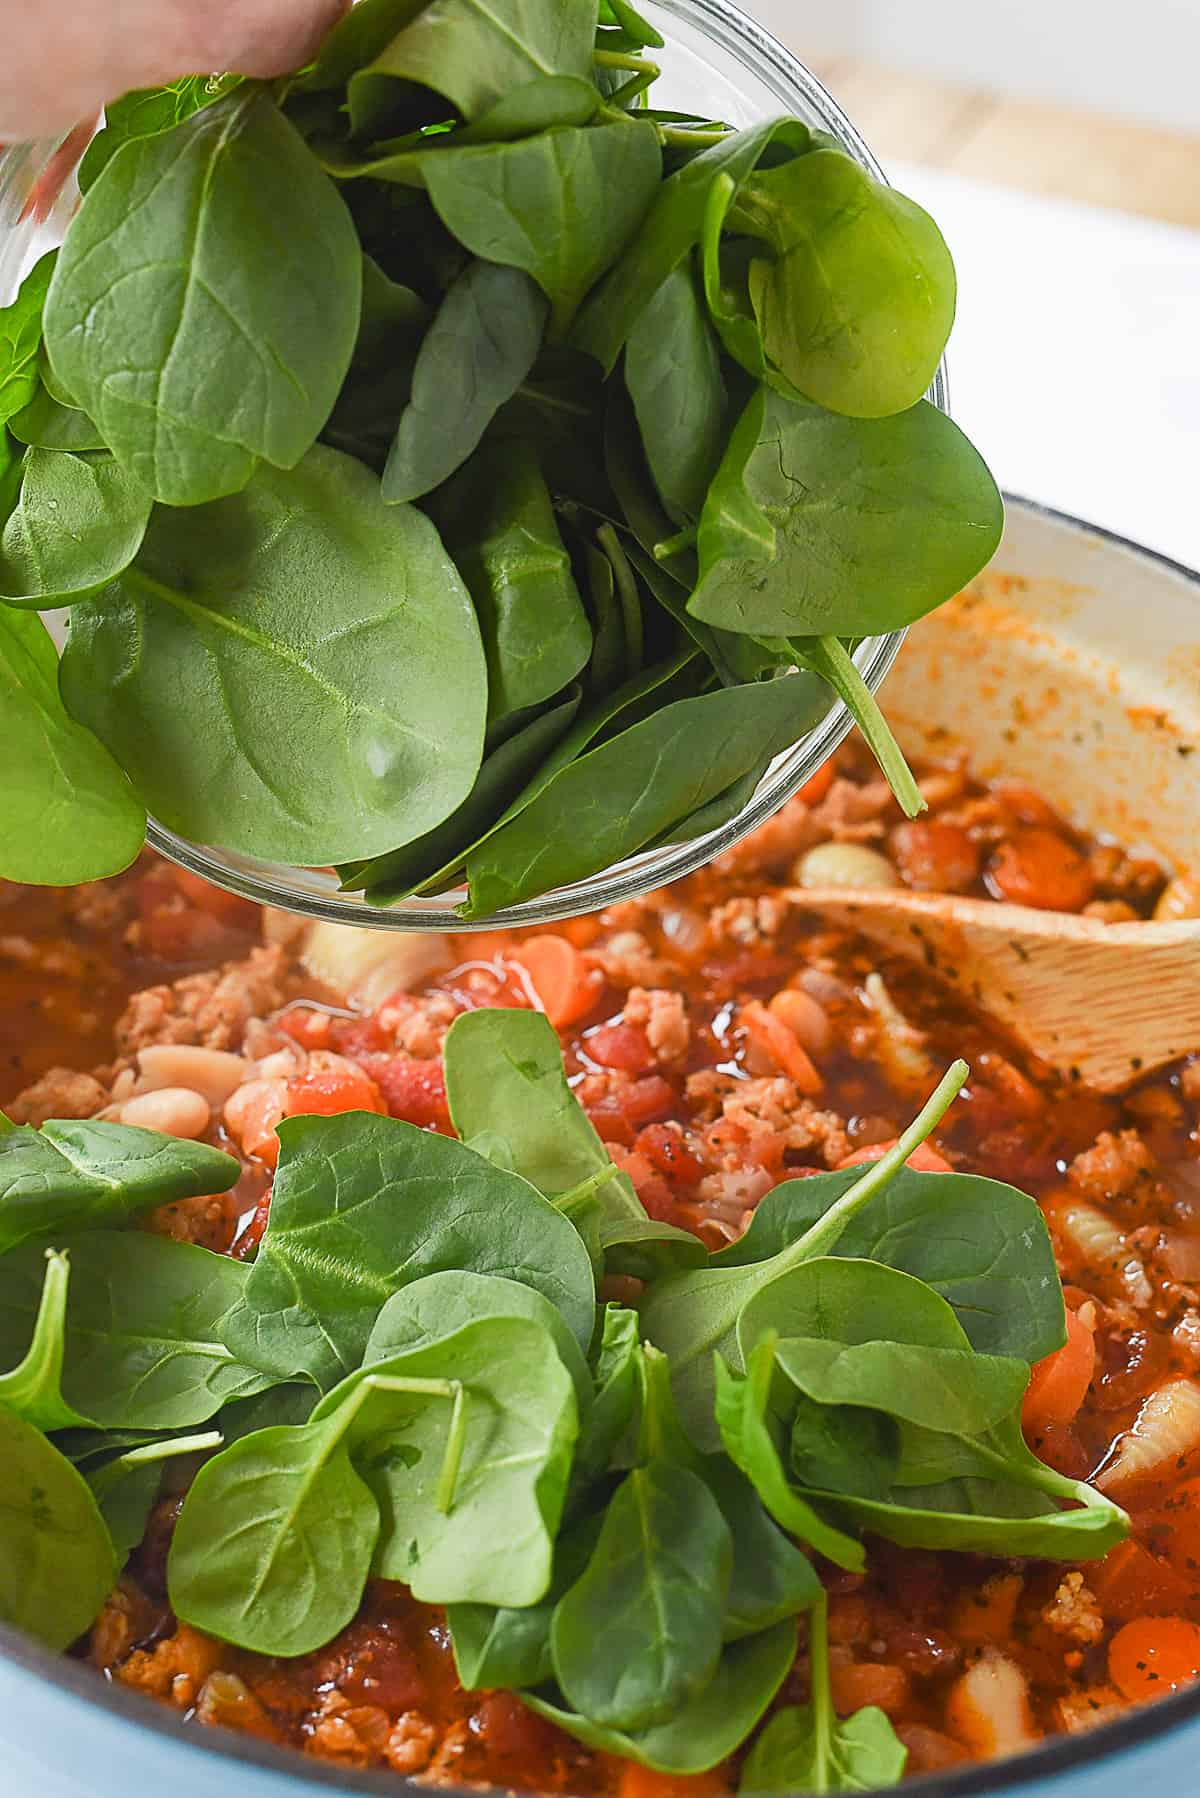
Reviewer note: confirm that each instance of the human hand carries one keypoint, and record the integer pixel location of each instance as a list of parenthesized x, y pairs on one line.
[(63, 61)]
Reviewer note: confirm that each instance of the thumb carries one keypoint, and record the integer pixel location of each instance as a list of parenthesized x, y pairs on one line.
[(260, 37)]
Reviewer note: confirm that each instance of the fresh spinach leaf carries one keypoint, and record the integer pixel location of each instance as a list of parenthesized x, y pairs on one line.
[(435, 861), (855, 292), (47, 424), (143, 1344), (704, 1731), (749, 1435), (606, 665), (602, 809), (497, 521), (981, 1244), (639, 1634), (363, 1206), (33, 1388), (379, 381), (672, 228), (471, 54), (991, 1517), (440, 1304), (86, 1174), (673, 372), (57, 1564), (481, 345), (562, 205), (78, 524), (297, 1527), (692, 1315), (246, 262), (954, 1390), (466, 1444), (771, 1579), (820, 525), (293, 1402), (841, 1449), (811, 1749), (67, 812), (145, 112), (607, 1421), (294, 672), (510, 1648), (21, 338)]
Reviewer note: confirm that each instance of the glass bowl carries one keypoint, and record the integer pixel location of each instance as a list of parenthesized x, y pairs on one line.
[(718, 62)]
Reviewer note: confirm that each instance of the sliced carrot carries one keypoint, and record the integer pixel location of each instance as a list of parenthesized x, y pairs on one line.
[(643, 1782), (782, 1045), (1154, 1655), (814, 790), (564, 984), (923, 1159), (1059, 1384), (1130, 1582)]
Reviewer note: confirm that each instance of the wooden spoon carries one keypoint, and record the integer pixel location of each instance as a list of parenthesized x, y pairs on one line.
[(1101, 1003)]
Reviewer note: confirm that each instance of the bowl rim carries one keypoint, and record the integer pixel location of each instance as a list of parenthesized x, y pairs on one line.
[(1107, 1742)]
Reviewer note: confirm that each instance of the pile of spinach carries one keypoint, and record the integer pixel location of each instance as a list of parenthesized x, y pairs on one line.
[(414, 1379), (457, 470)]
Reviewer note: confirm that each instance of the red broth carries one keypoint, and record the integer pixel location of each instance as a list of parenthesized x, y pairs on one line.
[(721, 1040)]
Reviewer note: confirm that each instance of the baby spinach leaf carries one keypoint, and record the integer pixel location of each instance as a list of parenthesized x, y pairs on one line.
[(770, 1579), (607, 1421), (480, 347), (602, 809), (497, 521), (990, 1517), (691, 1315), (938, 1388), (562, 205), (981, 1244), (297, 1527), (631, 22), (67, 812), (541, 105), (821, 525), (146, 111), (849, 1301), (860, 1753), (673, 372), (842, 1449), (640, 1633), (440, 1304), (510, 1648), (472, 54), (57, 1564), (504, 1075), (748, 1433), (294, 672), (78, 524), (606, 665), (21, 338), (560, 411), (292, 1402), (379, 381), (127, 1486), (45, 423), (642, 1248), (143, 1347), (76, 1174), (434, 861), (704, 1731), (216, 245), (811, 1749), (503, 1426), (363, 1206), (855, 294), (672, 228)]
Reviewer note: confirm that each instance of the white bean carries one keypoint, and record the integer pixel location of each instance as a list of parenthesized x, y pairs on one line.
[(213, 1072), (844, 865), (989, 1707), (173, 1110)]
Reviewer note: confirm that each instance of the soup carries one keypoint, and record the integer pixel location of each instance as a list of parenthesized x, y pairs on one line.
[(722, 1041)]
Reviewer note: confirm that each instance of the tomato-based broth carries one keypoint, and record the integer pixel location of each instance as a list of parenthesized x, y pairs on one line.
[(722, 1040)]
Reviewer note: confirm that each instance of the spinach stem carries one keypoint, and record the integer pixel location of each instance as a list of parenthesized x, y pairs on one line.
[(617, 59), (627, 593), (456, 1439), (821, 1237), (166, 1451), (629, 91), (829, 657), (39, 1371), (821, 1691), (676, 138), (676, 545), (586, 1189)]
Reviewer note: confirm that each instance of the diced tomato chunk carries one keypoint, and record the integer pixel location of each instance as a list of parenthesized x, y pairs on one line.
[(306, 1025), (622, 1046), (327, 1092), (647, 1099), (414, 1090), (670, 1154), (643, 1782)]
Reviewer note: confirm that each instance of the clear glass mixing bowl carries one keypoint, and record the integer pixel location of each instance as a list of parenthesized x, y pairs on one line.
[(717, 62)]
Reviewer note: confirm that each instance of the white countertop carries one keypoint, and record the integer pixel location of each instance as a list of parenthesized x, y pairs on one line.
[(1075, 362)]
